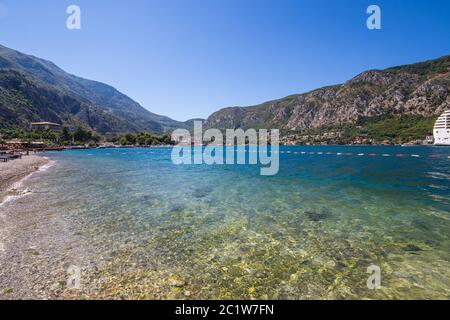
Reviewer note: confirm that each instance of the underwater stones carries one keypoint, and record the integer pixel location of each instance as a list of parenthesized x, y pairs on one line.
[(412, 248), (33, 252), (201, 192), (176, 208), (432, 243), (294, 277), (260, 274), (177, 282), (147, 197), (422, 225), (317, 216), (209, 202), (287, 292), (267, 219)]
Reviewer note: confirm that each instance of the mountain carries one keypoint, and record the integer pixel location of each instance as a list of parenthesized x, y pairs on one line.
[(34, 89), (398, 103)]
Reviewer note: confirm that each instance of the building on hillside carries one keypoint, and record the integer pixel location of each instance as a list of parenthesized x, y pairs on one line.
[(46, 126)]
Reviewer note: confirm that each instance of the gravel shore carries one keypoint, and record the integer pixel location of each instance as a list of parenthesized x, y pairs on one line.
[(15, 170), (35, 244)]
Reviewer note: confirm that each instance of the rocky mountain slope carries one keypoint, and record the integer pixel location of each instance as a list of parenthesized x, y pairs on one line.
[(417, 91), (33, 89), (397, 104)]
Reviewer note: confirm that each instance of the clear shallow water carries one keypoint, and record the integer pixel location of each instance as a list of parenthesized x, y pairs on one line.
[(152, 229)]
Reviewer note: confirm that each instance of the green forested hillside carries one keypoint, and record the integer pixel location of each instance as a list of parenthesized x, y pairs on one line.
[(33, 89)]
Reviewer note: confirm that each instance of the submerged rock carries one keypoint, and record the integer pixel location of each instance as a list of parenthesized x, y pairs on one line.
[(420, 224), (412, 248), (148, 197), (175, 281), (177, 208), (201, 192), (317, 216)]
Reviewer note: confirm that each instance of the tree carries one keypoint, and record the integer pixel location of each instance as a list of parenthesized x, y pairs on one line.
[(17, 134), (123, 141), (82, 135), (166, 139), (48, 135), (65, 135), (130, 138), (141, 139), (28, 142)]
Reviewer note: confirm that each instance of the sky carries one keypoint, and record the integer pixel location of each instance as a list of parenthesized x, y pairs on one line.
[(188, 58)]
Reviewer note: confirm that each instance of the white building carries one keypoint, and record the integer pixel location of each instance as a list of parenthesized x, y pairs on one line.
[(46, 126), (441, 129)]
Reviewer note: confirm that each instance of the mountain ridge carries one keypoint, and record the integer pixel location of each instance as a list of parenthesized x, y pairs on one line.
[(35, 89), (106, 103), (418, 90)]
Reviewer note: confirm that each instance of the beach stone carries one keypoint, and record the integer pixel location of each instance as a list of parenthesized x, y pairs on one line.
[(420, 224), (33, 252), (202, 192), (316, 216), (148, 197), (177, 208), (412, 248), (176, 282)]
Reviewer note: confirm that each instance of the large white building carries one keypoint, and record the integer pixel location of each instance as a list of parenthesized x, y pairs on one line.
[(441, 130), (46, 126)]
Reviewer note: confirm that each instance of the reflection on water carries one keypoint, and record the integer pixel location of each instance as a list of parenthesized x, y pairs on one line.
[(156, 230)]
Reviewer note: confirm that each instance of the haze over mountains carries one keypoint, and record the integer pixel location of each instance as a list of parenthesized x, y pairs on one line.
[(33, 89)]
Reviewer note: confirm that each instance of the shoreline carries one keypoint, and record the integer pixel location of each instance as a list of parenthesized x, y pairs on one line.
[(14, 172), (31, 238), (281, 145)]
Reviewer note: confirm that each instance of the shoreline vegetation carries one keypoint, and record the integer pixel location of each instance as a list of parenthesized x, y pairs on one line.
[(66, 138), (403, 130), (20, 140)]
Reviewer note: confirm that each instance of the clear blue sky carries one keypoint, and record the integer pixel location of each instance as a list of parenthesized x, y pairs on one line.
[(188, 58)]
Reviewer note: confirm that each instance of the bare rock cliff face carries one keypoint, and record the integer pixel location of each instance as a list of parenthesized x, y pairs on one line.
[(420, 89)]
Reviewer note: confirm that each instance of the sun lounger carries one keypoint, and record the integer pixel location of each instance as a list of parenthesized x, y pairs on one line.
[(7, 157)]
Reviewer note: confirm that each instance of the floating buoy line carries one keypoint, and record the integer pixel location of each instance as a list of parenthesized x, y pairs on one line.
[(339, 154), (371, 154)]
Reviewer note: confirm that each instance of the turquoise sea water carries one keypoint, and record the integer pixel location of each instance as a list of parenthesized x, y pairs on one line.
[(156, 230)]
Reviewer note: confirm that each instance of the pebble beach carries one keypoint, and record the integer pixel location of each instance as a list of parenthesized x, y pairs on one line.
[(12, 172)]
